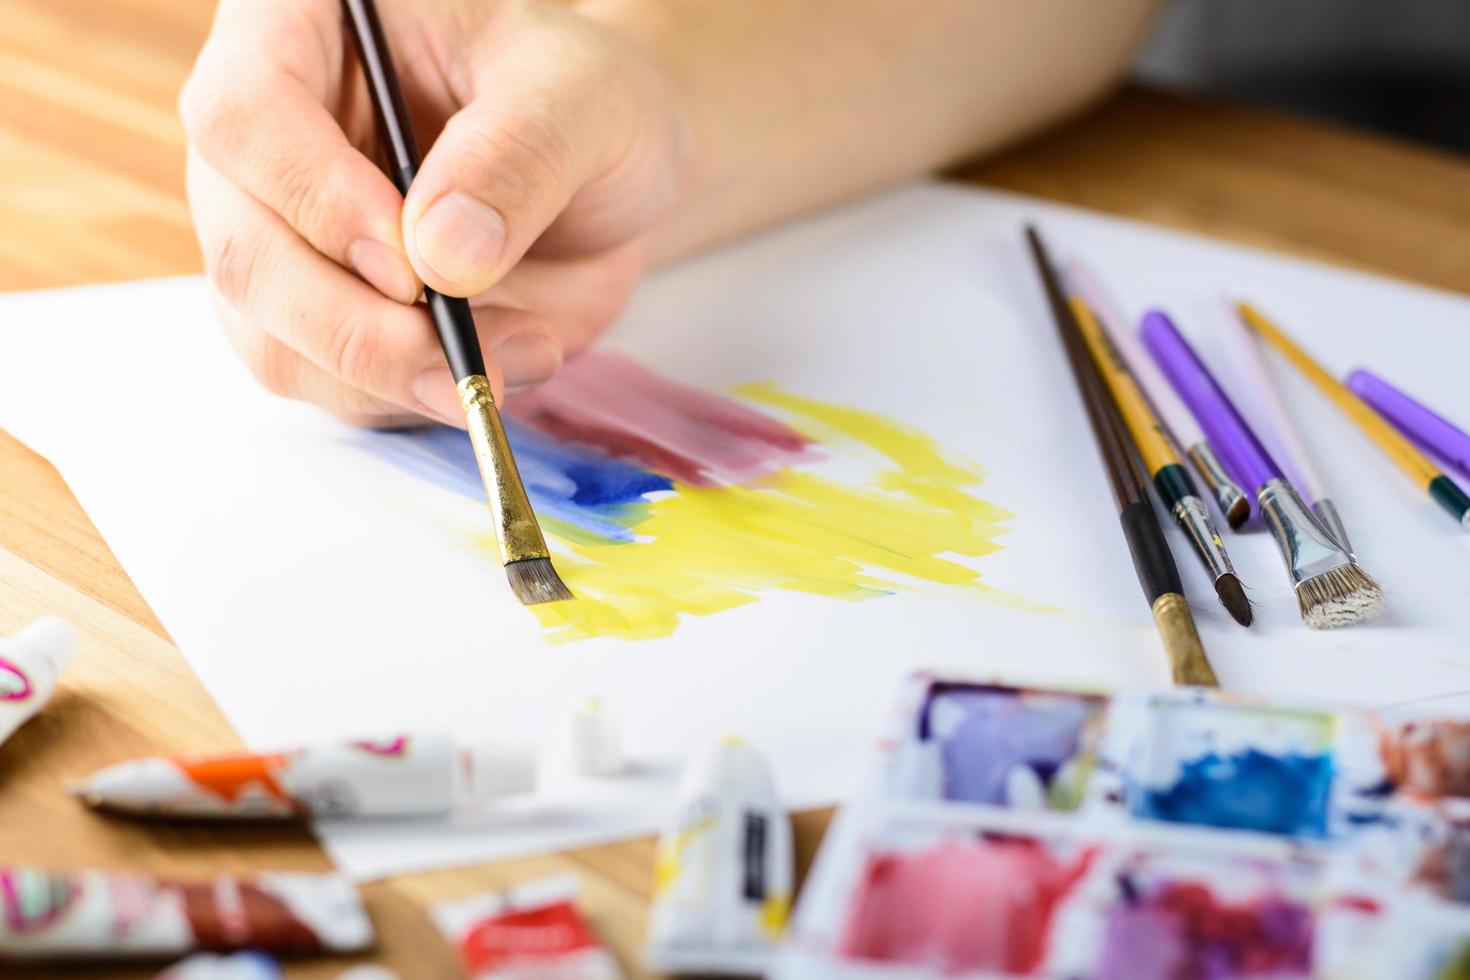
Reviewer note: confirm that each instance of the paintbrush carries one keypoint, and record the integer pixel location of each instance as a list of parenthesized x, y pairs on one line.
[(1275, 425), (1157, 573), (1422, 424), (1331, 590), (1171, 480), (1421, 469), (523, 549), (1177, 422)]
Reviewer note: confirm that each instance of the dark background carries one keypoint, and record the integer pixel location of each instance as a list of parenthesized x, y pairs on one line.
[(1396, 66)]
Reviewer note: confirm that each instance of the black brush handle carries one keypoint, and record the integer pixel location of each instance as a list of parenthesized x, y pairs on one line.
[(1107, 430), (1152, 560), (452, 316)]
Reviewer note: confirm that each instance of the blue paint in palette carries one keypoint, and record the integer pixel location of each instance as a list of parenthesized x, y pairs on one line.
[(1237, 767), (578, 485), (1250, 790)]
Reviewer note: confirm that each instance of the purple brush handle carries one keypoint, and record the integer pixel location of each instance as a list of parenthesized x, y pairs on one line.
[(1416, 421), (1232, 438)]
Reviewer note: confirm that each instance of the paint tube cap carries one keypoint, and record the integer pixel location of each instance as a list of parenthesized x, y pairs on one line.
[(497, 770), (368, 971), (50, 640), (588, 741), (246, 965)]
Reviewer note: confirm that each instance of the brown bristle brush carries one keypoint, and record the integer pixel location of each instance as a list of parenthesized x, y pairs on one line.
[(523, 549)]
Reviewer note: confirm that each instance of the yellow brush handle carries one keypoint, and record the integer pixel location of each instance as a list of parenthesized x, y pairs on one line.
[(1388, 439), (1153, 443)]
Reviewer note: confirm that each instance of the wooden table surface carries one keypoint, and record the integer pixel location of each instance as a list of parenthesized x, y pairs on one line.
[(92, 161)]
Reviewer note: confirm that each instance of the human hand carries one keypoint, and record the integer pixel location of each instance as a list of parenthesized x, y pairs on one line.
[(552, 148)]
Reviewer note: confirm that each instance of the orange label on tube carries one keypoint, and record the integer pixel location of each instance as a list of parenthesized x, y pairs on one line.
[(232, 776)]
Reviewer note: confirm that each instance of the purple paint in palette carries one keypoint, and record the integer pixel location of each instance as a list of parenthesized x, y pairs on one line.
[(1182, 915), (1009, 746)]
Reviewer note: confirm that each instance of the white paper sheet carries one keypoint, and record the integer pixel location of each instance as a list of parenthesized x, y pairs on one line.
[(320, 592)]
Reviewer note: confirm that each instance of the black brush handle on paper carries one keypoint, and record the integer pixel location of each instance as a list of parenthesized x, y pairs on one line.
[(1157, 574), (452, 316)]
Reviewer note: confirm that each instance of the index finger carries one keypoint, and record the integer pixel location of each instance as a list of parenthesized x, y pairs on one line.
[(256, 108)]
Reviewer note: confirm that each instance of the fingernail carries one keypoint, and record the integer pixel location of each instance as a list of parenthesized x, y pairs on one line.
[(460, 238), (527, 359), (384, 269), (438, 397)]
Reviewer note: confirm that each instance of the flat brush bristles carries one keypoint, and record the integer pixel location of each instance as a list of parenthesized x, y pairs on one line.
[(1233, 598), (535, 581), (1343, 596), (1238, 513)]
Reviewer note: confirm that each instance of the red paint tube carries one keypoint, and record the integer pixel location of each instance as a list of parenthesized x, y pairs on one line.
[(97, 915), (532, 932)]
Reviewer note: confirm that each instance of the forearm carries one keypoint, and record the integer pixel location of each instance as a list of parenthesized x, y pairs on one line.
[(798, 104)]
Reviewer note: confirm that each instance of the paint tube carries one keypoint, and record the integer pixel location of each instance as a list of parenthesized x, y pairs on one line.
[(367, 971), (30, 662), (587, 742), (396, 777), (724, 869), (93, 914), (249, 965), (531, 932)]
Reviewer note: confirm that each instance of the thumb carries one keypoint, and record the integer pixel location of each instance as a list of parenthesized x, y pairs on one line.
[(492, 183)]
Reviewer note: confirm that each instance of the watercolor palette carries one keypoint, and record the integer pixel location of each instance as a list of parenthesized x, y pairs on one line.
[(1007, 831)]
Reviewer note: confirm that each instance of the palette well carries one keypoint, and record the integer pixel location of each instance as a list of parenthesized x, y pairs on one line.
[(1008, 831)]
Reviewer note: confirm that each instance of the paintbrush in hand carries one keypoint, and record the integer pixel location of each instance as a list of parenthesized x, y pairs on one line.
[(522, 547), (1157, 573)]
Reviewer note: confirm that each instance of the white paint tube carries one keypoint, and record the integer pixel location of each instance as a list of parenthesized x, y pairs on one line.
[(248, 965), (30, 663), (401, 776), (724, 869)]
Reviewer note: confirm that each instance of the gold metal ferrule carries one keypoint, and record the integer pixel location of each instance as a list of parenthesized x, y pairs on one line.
[(515, 522), (1182, 644)]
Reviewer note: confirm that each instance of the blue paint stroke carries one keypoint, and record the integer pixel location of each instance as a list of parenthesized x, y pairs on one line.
[(569, 482), (1001, 730), (1251, 790)]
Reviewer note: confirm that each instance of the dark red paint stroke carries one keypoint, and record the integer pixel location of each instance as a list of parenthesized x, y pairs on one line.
[(609, 401)]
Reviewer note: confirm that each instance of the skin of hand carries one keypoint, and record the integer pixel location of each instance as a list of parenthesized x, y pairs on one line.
[(568, 147), (553, 146)]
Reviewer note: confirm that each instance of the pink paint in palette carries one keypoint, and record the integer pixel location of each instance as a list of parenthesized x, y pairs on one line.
[(1009, 832), (963, 903)]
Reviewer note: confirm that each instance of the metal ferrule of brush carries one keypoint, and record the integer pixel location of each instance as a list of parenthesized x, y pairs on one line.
[(1191, 514), (1227, 493), (515, 522), (1308, 548), (1326, 512)]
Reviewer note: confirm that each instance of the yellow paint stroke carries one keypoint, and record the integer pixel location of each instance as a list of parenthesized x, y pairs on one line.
[(703, 550)]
